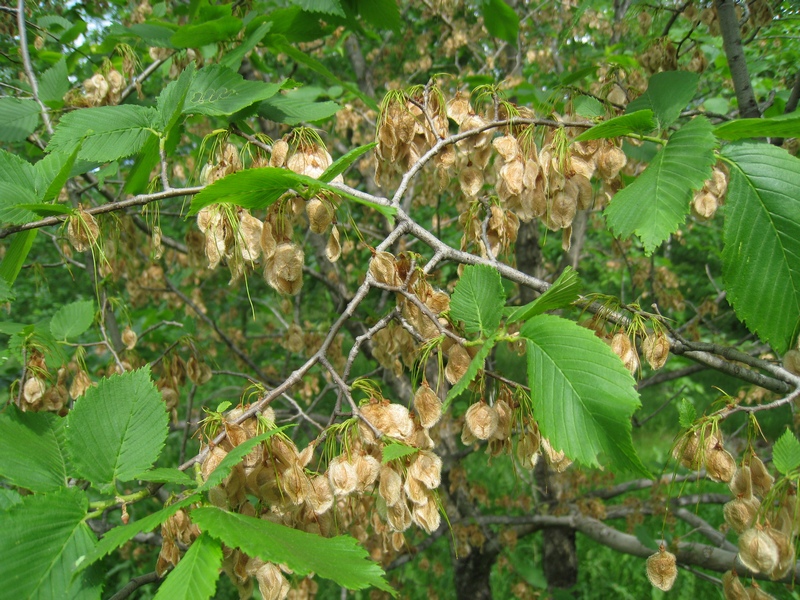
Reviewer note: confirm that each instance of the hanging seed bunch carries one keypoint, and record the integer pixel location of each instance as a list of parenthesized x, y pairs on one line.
[(102, 90), (622, 346), (176, 532), (655, 349), (662, 55), (82, 230), (226, 161), (501, 227), (702, 446), (283, 258), (394, 348), (711, 196), (410, 123), (733, 589), (38, 396), (662, 569)]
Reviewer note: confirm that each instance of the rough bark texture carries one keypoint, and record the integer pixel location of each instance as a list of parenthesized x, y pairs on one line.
[(732, 42), (472, 574)]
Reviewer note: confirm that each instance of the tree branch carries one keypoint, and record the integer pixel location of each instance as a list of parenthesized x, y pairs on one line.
[(732, 43)]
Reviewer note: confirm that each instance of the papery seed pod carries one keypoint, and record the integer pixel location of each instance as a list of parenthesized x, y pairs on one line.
[(506, 146), (504, 421), (333, 249), (622, 347), (458, 360), (271, 583), (732, 587), (427, 405), (390, 486), (467, 436), (320, 215), (268, 242), (740, 513), (383, 269), (249, 238), (427, 516), (342, 475), (471, 181), (511, 174), (758, 551), (33, 389), (82, 230), (279, 151), (426, 468), (295, 484), (609, 162), (786, 553), (557, 458), (791, 361), (415, 491), (399, 516), (393, 420), (662, 569), (367, 470), (528, 449), (158, 247), (129, 338), (198, 371), (762, 480), (720, 464), (482, 420), (655, 348), (756, 593), (213, 458), (284, 270), (320, 496), (742, 485), (704, 205), (80, 384)]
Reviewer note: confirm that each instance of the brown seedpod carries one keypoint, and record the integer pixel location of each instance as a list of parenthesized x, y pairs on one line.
[(704, 205), (271, 583), (80, 384), (33, 390), (557, 458), (390, 487), (284, 269), (791, 361), (720, 464), (279, 151), (399, 516), (786, 553), (528, 449), (367, 470), (427, 469), (427, 405), (471, 181), (622, 347), (662, 569), (415, 491), (390, 419), (733, 588), (427, 516), (741, 485), (82, 230), (655, 348), (458, 360), (758, 551), (295, 484), (762, 480), (213, 458), (320, 495), (756, 593), (342, 475), (482, 420), (383, 269), (506, 146), (333, 249), (609, 161), (740, 513), (320, 215), (249, 236), (504, 421)]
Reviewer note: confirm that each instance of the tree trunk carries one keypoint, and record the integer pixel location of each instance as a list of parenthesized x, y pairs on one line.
[(472, 574)]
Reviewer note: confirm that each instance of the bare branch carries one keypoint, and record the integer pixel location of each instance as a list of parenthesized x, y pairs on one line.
[(732, 43)]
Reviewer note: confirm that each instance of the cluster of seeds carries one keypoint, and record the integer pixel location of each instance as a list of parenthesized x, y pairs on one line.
[(83, 230), (710, 197), (102, 89), (40, 393), (238, 238)]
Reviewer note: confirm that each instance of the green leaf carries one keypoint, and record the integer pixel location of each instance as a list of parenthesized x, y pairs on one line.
[(108, 132), (339, 558), (501, 21), (782, 126), (761, 235), (686, 413), (259, 188), (172, 98), (166, 475), (52, 173), (54, 84), (8, 498), (235, 456), (209, 32), (280, 44), (475, 365), (116, 537), (16, 171), (394, 450), (667, 95), (329, 7), (18, 119), (586, 106), (340, 165), (564, 291), (6, 293), (786, 453), (639, 122), (290, 109), (33, 447), (478, 299), (233, 59), (218, 91), (116, 429), (381, 14), (583, 397), (72, 319), (195, 576), (40, 539), (13, 200), (657, 202), (16, 253)]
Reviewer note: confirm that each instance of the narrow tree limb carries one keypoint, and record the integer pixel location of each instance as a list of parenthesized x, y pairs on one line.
[(134, 584), (732, 43)]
